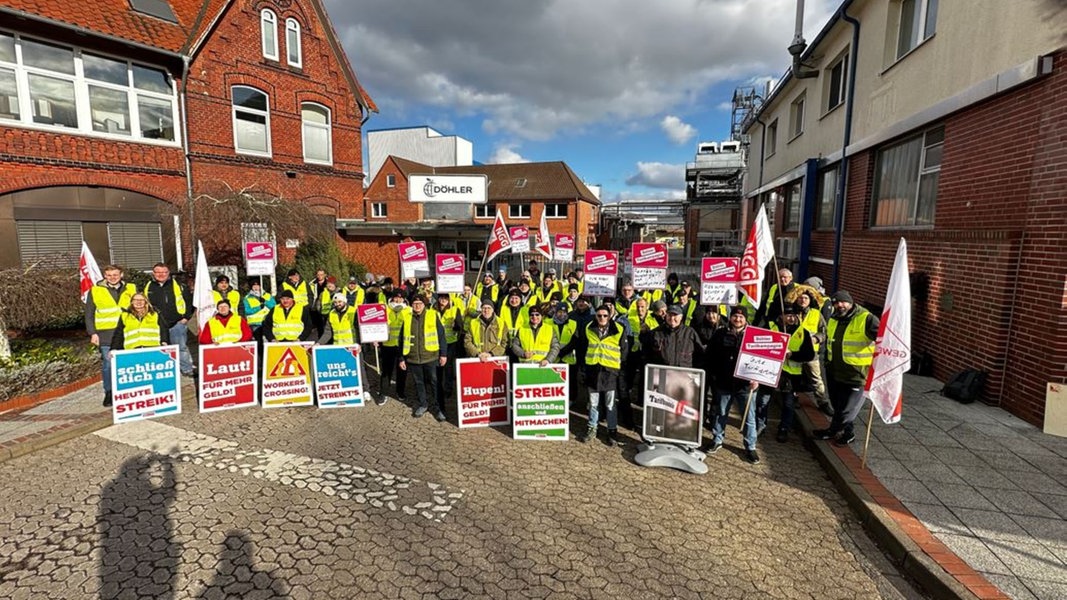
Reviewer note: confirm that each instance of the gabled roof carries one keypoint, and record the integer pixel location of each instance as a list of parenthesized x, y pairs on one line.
[(517, 181)]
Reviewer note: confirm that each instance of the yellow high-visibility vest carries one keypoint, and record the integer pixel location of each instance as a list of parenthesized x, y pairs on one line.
[(232, 295), (539, 345), (476, 329), (396, 321), (230, 333), (811, 323), (142, 332), (448, 319), (429, 332), (635, 327), (299, 291), (565, 333), (108, 310), (288, 328), (512, 325), (343, 326), (258, 308), (796, 339), (605, 352), (856, 349), (179, 299)]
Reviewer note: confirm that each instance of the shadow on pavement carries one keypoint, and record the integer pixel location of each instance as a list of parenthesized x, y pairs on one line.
[(236, 575)]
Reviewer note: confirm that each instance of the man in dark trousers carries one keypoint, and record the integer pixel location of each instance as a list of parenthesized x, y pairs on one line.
[(424, 349), (103, 308), (850, 335), (722, 352), (174, 303)]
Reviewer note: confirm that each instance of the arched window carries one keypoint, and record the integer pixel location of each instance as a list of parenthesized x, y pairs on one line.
[(268, 25), (292, 43), (251, 121), (318, 134)]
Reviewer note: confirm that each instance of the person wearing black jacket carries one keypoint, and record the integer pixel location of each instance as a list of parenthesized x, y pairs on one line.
[(800, 350), (723, 351), (673, 343), (174, 303), (281, 324)]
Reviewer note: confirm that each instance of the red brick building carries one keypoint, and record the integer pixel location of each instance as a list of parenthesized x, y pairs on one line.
[(114, 112), (522, 192)]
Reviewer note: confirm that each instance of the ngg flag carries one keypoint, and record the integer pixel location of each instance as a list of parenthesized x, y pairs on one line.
[(338, 378), (286, 374), (482, 388), (228, 376), (892, 349), (144, 383), (540, 402)]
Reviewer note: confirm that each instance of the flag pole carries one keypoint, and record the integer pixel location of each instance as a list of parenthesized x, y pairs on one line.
[(781, 293), (867, 440), (748, 404)]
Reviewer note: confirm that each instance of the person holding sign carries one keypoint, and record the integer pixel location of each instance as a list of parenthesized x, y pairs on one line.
[(606, 351), (423, 351), (850, 352), (688, 304), (723, 352), (485, 334), (257, 304), (535, 342), (288, 322), (340, 326), (801, 349), (225, 326), (396, 313), (452, 319), (140, 326), (103, 309)]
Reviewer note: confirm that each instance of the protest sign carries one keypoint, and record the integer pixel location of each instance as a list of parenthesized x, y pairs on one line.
[(144, 383), (761, 356), (260, 258), (541, 399), (718, 280), (673, 404), (286, 374), (601, 272), (483, 391), (628, 261), (414, 259), (228, 376), (338, 376), (520, 239), (649, 266), (373, 323), (563, 248), (450, 271)]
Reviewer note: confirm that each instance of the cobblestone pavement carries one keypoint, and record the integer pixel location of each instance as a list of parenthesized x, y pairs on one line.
[(372, 503)]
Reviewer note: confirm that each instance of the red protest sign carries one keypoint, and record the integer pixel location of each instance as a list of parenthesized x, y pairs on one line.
[(373, 323), (482, 388), (718, 280), (601, 271), (450, 270), (563, 247), (414, 259), (761, 356), (228, 376), (650, 266)]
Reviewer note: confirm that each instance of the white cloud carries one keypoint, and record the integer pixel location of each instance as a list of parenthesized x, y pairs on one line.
[(506, 154), (533, 68), (677, 131), (659, 175)]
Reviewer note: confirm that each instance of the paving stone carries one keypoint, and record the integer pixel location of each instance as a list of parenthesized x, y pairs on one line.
[(1031, 562), (1051, 532), (959, 496)]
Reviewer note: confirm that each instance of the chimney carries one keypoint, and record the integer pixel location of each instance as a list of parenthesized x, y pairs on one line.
[(798, 45)]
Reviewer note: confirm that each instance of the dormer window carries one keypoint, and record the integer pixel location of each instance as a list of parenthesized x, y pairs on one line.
[(520, 182)]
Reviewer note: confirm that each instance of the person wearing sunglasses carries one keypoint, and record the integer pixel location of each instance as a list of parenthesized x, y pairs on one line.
[(606, 350), (536, 341)]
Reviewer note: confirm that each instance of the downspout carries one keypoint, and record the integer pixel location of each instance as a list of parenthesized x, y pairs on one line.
[(842, 179)]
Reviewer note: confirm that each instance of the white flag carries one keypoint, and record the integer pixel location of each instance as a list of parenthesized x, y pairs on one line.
[(89, 271), (892, 350), (203, 299), (758, 252), (544, 246)]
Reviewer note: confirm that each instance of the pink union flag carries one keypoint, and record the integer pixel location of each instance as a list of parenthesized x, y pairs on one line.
[(499, 240), (892, 349), (758, 252), (88, 271)]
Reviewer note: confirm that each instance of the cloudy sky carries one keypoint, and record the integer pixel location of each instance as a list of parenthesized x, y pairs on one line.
[(621, 90)]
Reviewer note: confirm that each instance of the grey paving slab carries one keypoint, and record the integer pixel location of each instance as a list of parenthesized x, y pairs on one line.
[(992, 525), (1018, 502), (889, 467), (910, 490), (932, 470), (1031, 561), (983, 477), (938, 518), (1048, 590), (1036, 482), (1011, 585), (975, 553), (1056, 502), (1003, 461), (956, 495), (1051, 532)]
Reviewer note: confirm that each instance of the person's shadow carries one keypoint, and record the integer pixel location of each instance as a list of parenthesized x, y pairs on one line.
[(236, 575), (139, 557)]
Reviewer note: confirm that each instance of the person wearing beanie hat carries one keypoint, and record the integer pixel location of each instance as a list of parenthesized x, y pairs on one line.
[(340, 328), (851, 334), (674, 343), (485, 337), (396, 311), (299, 288), (535, 341), (513, 314), (800, 349), (225, 326), (320, 306), (606, 352), (288, 321), (326, 301), (571, 299), (223, 290), (256, 304), (423, 350), (811, 319), (722, 353), (775, 299), (354, 294)]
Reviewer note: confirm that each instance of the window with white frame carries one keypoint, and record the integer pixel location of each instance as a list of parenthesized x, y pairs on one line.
[(792, 209), (906, 178), (825, 203), (918, 22), (556, 211), (293, 51), (484, 211), (268, 27), (318, 144), (379, 210), (50, 85), (772, 139), (796, 116), (835, 78), (251, 121), (390, 180), (518, 211)]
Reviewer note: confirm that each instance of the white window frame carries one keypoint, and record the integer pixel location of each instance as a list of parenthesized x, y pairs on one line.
[(484, 211), (268, 21), (390, 180), (233, 112), (921, 28), (379, 210), (517, 207), (772, 139), (796, 115), (328, 128), (842, 85), (554, 212), (81, 85), (293, 27), (915, 201)]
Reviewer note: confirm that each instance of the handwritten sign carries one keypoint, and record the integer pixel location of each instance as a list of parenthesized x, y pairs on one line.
[(450, 270), (649, 266), (718, 280), (761, 356), (414, 259), (373, 323), (564, 247), (520, 239), (601, 272)]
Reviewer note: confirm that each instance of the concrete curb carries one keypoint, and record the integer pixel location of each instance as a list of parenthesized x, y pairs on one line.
[(932, 573), (54, 436)]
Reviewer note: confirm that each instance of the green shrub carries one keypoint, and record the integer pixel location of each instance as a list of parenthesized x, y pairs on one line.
[(314, 255)]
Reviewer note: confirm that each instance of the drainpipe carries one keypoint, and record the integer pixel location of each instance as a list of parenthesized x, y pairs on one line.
[(842, 176), (185, 147)]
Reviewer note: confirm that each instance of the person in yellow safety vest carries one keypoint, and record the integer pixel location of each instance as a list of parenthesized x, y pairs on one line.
[(606, 352), (140, 326), (396, 310), (573, 293), (514, 315), (688, 289), (325, 300), (488, 289), (849, 353), (548, 292), (486, 336), (642, 324), (340, 327), (452, 319), (670, 294), (354, 295), (296, 286), (225, 326), (467, 302), (800, 350), (689, 306), (223, 290), (172, 301), (576, 277), (653, 296), (748, 307), (535, 342), (776, 297), (424, 351), (288, 321), (526, 293), (624, 302), (257, 305), (103, 309), (811, 319)]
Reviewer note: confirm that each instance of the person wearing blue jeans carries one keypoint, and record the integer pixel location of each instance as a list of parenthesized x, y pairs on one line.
[(606, 350), (103, 307), (174, 303), (723, 349)]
